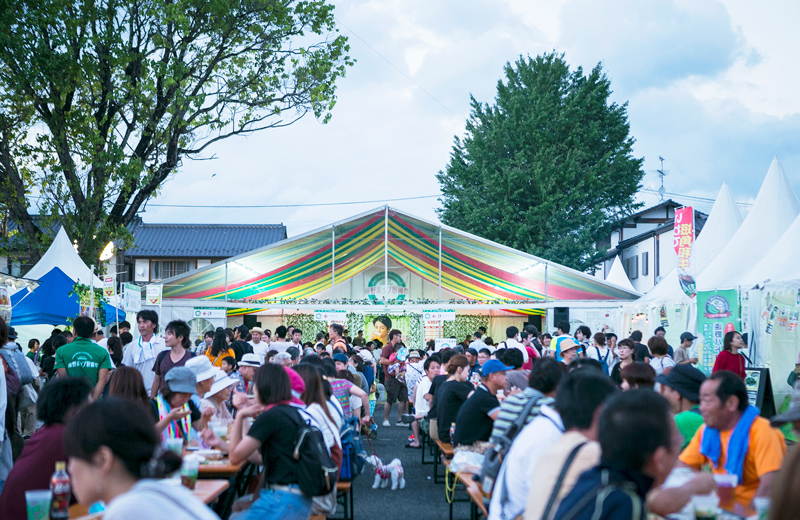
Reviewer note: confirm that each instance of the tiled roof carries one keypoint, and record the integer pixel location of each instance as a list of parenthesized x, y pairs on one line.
[(201, 240)]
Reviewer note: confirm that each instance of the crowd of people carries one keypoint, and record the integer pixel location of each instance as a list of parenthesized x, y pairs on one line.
[(589, 427)]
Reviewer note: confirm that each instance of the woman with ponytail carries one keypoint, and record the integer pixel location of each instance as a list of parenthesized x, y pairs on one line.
[(114, 455)]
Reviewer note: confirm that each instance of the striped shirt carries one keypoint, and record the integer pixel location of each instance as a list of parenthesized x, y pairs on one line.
[(513, 405)]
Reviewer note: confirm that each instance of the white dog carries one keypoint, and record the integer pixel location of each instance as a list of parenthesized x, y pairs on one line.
[(384, 472)]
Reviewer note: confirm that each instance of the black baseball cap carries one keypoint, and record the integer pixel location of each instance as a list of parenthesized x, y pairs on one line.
[(688, 336), (684, 379)]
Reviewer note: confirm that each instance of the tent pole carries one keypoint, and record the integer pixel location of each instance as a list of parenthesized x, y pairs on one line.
[(386, 253), (226, 294), (440, 263), (91, 292), (333, 262), (546, 265)]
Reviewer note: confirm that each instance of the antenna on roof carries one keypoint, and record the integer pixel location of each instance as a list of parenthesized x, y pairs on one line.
[(662, 173)]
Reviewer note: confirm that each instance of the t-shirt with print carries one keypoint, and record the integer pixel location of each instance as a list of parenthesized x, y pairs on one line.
[(341, 390), (450, 397), (765, 452), (82, 358), (164, 362), (474, 422), (276, 430)]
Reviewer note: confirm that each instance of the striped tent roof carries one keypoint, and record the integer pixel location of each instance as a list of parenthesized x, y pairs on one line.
[(476, 269)]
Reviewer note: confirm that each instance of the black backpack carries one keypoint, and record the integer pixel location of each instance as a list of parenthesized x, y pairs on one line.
[(316, 471)]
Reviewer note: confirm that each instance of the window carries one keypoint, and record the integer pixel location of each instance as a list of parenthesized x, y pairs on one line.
[(632, 267), (645, 263), (163, 269)]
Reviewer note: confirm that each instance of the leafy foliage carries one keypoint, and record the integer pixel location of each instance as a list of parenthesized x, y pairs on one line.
[(101, 100), (546, 169)]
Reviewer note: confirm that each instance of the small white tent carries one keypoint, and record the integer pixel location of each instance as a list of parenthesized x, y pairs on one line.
[(617, 276), (774, 210), (61, 254)]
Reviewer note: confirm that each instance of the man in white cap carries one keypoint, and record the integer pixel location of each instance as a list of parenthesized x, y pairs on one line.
[(260, 348), (247, 369)]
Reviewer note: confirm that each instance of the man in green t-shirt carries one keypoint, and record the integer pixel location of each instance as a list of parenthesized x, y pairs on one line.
[(681, 387), (83, 358)]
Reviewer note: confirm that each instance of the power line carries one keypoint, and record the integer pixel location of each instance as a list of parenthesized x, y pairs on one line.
[(236, 206), (395, 67), (691, 197)]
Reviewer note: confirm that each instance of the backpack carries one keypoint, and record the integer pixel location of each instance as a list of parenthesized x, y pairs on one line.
[(17, 361), (495, 455), (603, 360), (316, 471), (353, 456)]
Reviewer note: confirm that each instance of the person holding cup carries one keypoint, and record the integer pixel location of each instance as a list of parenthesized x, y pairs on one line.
[(113, 458), (173, 409), (743, 450)]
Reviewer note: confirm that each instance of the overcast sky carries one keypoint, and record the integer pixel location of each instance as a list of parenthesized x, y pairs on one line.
[(711, 87)]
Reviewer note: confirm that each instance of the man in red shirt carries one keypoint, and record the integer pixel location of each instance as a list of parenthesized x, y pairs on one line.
[(396, 391)]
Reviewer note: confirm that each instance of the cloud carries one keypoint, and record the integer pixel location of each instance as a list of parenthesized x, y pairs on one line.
[(645, 44)]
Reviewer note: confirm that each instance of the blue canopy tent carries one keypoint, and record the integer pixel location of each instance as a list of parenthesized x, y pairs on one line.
[(51, 303)]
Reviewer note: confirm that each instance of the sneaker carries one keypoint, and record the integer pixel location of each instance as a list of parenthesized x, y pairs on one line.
[(386, 423), (400, 423), (407, 418)]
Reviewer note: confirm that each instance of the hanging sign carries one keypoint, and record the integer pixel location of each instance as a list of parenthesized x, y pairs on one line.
[(682, 238), (154, 294), (442, 343), (209, 314), (439, 315), (5, 303), (109, 286), (132, 296), (331, 316), (717, 311)]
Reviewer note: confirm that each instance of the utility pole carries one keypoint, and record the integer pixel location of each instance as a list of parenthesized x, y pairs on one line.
[(661, 174)]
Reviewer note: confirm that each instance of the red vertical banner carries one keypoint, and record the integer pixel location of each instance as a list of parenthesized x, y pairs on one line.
[(682, 239)]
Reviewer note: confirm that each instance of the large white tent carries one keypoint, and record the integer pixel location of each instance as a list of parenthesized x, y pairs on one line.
[(774, 210), (62, 254), (780, 263), (722, 224)]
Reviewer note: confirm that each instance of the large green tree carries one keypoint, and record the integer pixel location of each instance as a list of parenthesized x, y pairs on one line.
[(548, 167), (102, 100)]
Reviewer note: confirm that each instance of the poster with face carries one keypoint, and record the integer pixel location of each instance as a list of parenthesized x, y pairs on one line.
[(379, 327)]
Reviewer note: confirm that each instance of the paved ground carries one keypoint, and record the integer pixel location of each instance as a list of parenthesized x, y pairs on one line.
[(420, 500)]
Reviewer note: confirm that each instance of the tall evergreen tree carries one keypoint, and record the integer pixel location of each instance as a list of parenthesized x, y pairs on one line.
[(546, 169)]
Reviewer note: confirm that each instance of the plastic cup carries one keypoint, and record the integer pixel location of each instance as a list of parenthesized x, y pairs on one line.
[(761, 505), (221, 431), (705, 506), (189, 470), (725, 486), (38, 503), (175, 446)]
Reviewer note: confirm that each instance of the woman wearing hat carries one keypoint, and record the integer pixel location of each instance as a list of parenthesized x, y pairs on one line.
[(216, 399), (173, 410)]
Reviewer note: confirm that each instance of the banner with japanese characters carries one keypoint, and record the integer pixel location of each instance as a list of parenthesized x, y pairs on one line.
[(717, 313), (683, 237), (109, 286)]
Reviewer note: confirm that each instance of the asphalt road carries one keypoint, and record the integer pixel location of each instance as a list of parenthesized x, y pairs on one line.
[(420, 500)]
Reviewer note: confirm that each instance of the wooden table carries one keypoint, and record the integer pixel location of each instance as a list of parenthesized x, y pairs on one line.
[(205, 490), (220, 467)]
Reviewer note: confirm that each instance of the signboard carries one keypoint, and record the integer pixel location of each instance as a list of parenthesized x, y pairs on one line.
[(209, 314), (376, 287), (154, 294), (440, 315), (333, 316), (132, 296), (717, 313), (682, 239), (442, 343), (109, 286), (759, 390), (5, 303)]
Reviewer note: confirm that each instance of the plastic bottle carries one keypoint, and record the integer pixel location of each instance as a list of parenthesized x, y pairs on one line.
[(452, 431), (59, 485)]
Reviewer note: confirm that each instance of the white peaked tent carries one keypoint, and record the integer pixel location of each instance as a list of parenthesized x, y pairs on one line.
[(780, 263), (617, 276), (723, 222), (774, 210), (61, 254)]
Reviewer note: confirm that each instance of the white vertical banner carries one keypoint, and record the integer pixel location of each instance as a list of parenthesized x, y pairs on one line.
[(109, 285), (133, 297), (154, 294)]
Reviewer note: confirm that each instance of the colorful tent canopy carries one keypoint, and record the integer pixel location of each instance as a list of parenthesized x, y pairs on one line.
[(475, 269)]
